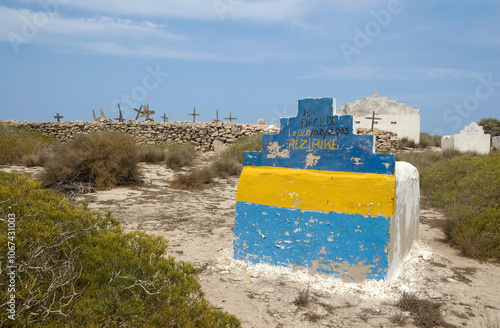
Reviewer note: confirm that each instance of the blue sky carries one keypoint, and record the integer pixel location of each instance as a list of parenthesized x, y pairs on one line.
[(254, 59)]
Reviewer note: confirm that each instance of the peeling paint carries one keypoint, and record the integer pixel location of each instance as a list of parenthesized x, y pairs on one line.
[(275, 150), (312, 160)]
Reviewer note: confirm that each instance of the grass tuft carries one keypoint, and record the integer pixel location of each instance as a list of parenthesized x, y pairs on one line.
[(180, 155), (302, 299), (151, 153), (426, 313)]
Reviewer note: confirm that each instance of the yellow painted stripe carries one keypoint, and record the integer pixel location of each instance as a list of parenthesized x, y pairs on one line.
[(344, 192)]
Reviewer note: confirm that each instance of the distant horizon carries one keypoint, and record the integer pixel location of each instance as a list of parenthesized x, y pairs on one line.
[(255, 59)]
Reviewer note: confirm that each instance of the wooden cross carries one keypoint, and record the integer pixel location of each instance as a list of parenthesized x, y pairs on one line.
[(194, 114), (373, 118), (120, 119), (58, 117), (164, 117), (139, 112), (230, 118), (148, 112), (101, 118)]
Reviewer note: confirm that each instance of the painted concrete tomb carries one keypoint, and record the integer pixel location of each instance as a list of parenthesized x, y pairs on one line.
[(318, 197)]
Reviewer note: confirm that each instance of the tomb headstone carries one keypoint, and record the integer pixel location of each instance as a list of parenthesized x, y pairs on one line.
[(318, 197), (496, 143), (471, 138)]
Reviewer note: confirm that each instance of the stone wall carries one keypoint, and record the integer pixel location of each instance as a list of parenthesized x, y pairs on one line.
[(201, 134), (385, 141)]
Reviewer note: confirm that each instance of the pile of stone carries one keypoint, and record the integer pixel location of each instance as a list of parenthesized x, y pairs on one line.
[(201, 134), (385, 141)]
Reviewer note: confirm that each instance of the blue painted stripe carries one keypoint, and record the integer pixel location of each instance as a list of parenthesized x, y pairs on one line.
[(325, 242)]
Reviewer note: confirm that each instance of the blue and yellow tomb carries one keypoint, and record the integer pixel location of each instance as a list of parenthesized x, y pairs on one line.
[(318, 197)]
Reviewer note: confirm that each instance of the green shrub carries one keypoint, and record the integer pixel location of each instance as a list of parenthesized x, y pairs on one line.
[(179, 155), (247, 143), (479, 235), (230, 161), (77, 268), (101, 160), (467, 188), (18, 141), (151, 153)]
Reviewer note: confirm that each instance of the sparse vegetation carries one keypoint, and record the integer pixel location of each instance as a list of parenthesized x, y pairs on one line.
[(490, 320), (180, 155), (40, 158), (151, 153), (426, 141), (426, 313), (17, 142), (230, 162), (99, 160), (467, 187), (194, 180), (77, 268), (246, 143), (302, 299)]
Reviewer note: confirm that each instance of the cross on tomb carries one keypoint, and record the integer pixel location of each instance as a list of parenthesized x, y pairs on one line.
[(120, 119), (194, 114), (230, 118), (217, 115), (102, 117), (373, 118), (58, 117), (139, 112), (147, 112), (164, 117)]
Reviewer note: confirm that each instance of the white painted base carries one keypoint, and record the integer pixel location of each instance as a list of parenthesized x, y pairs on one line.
[(404, 223)]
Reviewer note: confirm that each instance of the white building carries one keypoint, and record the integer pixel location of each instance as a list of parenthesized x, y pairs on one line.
[(471, 138), (392, 116)]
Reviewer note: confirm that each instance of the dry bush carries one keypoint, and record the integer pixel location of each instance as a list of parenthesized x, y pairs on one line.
[(302, 299), (179, 155), (226, 166), (40, 158), (426, 313), (151, 153), (407, 143), (194, 180), (99, 160)]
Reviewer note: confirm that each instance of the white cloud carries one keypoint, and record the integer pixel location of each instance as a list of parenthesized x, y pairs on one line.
[(356, 73), (447, 73), (28, 25)]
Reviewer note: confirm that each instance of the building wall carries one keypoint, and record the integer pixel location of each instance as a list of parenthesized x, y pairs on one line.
[(395, 117)]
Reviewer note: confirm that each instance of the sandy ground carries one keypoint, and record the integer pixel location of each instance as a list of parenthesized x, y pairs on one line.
[(199, 227)]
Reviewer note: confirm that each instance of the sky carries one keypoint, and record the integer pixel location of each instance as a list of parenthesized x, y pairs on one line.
[(253, 59)]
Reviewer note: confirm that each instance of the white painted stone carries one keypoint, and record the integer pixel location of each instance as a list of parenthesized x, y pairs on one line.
[(406, 117), (404, 223), (496, 143), (471, 138)]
